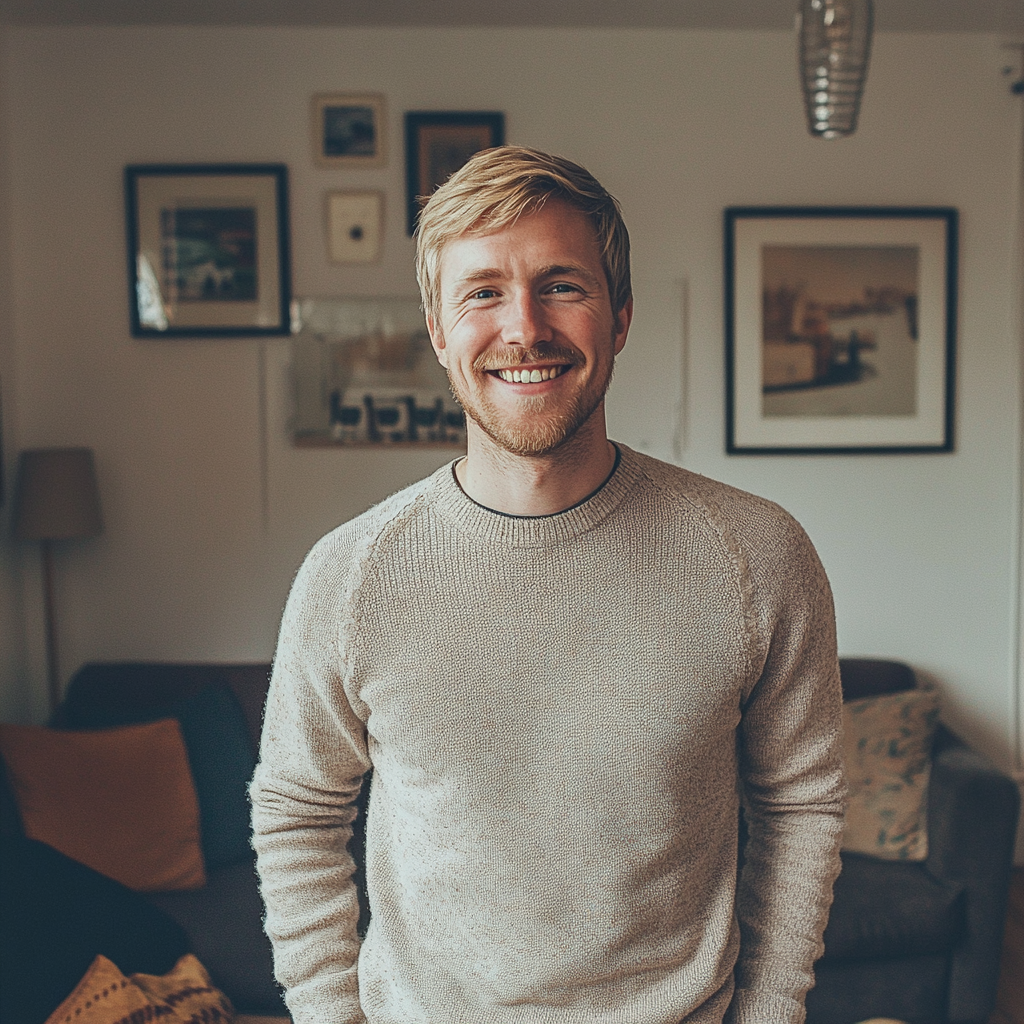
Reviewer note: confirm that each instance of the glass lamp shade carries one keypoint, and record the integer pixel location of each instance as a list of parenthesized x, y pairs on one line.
[(834, 48), (56, 497)]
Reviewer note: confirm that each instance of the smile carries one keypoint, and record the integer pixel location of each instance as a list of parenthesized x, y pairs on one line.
[(534, 376)]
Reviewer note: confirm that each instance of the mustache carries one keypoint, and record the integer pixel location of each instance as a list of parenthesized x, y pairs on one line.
[(513, 356)]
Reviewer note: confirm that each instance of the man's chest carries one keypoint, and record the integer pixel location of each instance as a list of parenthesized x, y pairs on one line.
[(580, 649)]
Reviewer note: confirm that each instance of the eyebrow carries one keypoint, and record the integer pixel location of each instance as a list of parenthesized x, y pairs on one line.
[(553, 270)]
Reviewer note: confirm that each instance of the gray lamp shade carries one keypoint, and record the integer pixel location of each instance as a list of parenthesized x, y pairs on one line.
[(56, 497)]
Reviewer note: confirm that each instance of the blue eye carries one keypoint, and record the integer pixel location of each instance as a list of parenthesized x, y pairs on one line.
[(484, 293)]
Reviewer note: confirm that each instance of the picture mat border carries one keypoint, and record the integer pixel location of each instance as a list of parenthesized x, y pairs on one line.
[(931, 429), (494, 120), (376, 100), (272, 257)]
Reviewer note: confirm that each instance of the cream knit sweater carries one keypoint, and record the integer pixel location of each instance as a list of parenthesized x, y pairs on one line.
[(562, 713)]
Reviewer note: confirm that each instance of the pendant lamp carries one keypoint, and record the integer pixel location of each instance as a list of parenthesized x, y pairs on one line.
[(834, 47)]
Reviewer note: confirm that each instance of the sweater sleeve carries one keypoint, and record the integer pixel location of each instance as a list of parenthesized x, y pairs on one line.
[(313, 756), (793, 786)]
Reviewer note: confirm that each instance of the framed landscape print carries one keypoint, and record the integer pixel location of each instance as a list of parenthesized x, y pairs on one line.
[(349, 130), (207, 249), (438, 143), (840, 329)]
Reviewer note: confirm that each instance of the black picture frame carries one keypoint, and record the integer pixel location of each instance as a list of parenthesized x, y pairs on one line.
[(208, 250), (438, 143), (883, 380)]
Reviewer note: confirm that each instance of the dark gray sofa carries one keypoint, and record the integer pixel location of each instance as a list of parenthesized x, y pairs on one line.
[(223, 921), (917, 942), (921, 942)]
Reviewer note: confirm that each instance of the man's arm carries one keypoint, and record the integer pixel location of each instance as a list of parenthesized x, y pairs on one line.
[(312, 759), (793, 785)]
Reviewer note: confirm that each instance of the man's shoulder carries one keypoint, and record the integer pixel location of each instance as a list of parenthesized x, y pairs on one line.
[(712, 498), (342, 545), (756, 532)]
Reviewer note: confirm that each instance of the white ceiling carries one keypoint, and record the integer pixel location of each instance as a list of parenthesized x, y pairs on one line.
[(1004, 16)]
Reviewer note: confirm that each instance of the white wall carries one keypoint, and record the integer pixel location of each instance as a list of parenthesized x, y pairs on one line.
[(678, 124)]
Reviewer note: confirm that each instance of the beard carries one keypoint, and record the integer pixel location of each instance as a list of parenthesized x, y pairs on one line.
[(541, 425)]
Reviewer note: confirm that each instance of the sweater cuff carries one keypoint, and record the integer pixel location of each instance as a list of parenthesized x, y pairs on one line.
[(751, 1006), (333, 1000)]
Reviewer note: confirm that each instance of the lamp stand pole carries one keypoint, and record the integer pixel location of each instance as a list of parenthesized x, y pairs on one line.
[(50, 616)]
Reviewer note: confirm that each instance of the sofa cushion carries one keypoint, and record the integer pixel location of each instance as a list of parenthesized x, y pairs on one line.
[(884, 909), (121, 801), (220, 755), (887, 743), (57, 915)]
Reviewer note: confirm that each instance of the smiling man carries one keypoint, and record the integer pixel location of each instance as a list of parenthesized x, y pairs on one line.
[(569, 665)]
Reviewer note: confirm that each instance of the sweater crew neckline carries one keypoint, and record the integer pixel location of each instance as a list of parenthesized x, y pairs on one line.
[(447, 497)]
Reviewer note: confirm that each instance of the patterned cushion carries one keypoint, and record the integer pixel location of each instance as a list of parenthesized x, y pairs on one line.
[(106, 996), (888, 743)]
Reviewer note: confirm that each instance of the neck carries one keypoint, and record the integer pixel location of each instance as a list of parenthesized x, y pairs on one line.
[(536, 485)]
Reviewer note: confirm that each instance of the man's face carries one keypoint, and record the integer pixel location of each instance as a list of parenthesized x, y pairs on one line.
[(526, 330)]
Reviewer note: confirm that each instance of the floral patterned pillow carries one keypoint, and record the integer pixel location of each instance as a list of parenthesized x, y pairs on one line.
[(888, 746)]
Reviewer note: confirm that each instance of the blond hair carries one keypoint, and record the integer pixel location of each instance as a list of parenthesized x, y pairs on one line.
[(499, 185)]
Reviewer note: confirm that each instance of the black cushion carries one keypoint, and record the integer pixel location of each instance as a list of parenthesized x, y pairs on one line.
[(891, 908), (56, 916)]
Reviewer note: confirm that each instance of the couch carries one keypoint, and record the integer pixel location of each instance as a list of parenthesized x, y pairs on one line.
[(921, 941), (221, 923), (918, 942)]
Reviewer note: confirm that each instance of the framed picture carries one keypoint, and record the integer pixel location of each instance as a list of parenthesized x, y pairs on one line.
[(365, 375), (438, 143), (840, 329), (349, 130), (355, 226), (207, 249)]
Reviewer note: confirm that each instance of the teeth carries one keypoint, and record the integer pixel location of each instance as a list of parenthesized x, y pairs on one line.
[(530, 376)]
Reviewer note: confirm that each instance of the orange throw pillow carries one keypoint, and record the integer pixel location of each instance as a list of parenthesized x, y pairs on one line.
[(106, 996), (121, 800)]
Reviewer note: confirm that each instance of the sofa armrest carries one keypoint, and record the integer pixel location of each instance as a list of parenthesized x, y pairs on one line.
[(972, 826)]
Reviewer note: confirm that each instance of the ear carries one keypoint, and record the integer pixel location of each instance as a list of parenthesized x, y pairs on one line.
[(623, 319), (437, 341)]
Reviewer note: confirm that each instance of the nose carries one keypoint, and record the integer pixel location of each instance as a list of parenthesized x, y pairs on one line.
[(525, 323)]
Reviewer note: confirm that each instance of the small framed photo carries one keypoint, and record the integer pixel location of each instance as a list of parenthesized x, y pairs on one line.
[(207, 249), (355, 226), (349, 130), (438, 143), (840, 329)]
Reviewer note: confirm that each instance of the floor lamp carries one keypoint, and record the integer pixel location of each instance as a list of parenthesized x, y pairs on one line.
[(55, 498)]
